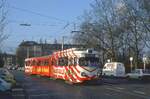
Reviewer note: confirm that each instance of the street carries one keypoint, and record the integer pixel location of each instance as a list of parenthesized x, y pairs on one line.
[(35, 87)]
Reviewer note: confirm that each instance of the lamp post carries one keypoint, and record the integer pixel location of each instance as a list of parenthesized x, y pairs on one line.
[(63, 40), (26, 25), (144, 61), (131, 64), (62, 46)]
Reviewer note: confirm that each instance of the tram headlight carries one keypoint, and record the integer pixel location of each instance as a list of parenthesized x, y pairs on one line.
[(83, 74)]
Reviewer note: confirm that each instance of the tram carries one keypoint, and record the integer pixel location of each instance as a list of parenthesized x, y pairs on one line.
[(73, 65)]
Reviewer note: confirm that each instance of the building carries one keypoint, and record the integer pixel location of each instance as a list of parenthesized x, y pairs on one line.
[(33, 49), (8, 59)]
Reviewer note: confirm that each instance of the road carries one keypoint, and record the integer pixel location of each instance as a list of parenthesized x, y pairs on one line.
[(35, 87)]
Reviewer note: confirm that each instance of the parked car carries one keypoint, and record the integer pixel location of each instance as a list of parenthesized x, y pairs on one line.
[(4, 86), (139, 74), (116, 69), (4, 71), (7, 76)]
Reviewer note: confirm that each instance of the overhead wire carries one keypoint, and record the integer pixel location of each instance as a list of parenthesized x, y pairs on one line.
[(39, 14), (30, 24)]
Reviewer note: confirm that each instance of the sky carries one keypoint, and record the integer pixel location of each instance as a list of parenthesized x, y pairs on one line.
[(48, 19)]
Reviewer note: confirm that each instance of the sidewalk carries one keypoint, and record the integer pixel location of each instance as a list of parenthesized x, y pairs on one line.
[(6, 95)]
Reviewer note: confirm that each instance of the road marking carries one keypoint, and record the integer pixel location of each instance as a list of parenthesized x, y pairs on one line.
[(19, 95), (113, 89), (107, 94), (136, 93), (109, 84), (39, 95), (120, 88), (32, 90), (139, 92), (17, 89)]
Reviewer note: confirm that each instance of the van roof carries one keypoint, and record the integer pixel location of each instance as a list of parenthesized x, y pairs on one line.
[(114, 63)]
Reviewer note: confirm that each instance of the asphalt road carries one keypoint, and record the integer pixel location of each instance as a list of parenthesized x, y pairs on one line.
[(35, 87)]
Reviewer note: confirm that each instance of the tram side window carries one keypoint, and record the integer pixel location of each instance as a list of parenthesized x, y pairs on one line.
[(39, 63), (46, 63), (75, 61), (43, 63), (63, 61), (54, 62), (70, 62), (33, 63)]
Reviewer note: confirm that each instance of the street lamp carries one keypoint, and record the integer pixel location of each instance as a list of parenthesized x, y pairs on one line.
[(144, 61), (131, 64), (62, 46)]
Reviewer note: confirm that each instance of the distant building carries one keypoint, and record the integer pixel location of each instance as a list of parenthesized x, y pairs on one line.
[(33, 49), (9, 59)]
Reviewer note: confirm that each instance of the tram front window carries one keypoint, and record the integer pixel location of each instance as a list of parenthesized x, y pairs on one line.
[(89, 61)]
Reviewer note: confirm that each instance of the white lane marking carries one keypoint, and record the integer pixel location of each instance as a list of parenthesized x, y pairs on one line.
[(35, 90), (139, 92), (107, 94), (130, 93), (17, 89), (113, 89), (30, 90), (37, 95), (19, 95), (40, 95), (120, 88)]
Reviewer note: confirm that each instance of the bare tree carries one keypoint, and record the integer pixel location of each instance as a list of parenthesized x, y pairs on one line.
[(3, 22), (2, 26), (138, 29), (101, 30), (119, 29)]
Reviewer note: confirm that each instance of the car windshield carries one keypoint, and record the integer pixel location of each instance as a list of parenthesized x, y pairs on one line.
[(146, 71), (136, 71), (89, 61)]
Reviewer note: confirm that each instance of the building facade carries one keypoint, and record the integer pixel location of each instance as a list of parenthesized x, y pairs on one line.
[(8, 59), (33, 49)]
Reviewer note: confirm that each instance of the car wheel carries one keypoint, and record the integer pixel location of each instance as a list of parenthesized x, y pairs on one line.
[(128, 77), (140, 78)]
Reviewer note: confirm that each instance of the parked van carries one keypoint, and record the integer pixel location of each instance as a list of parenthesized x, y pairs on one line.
[(116, 69)]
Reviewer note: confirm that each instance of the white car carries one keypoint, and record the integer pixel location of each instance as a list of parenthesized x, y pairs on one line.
[(4, 86), (7, 76), (139, 74)]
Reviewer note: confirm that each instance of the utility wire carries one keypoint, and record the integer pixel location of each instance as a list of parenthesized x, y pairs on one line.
[(36, 13), (31, 24)]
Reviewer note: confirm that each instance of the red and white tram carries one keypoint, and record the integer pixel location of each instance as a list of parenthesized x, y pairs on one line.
[(74, 65)]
